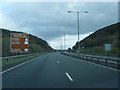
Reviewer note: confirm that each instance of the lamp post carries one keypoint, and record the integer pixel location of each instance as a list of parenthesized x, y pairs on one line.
[(78, 14), (61, 45), (64, 41)]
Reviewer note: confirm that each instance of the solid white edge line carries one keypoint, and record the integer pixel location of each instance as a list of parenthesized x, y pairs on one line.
[(69, 77), (101, 66), (98, 65), (17, 66)]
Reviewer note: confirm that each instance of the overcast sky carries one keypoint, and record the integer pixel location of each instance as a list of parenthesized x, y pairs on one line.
[(50, 20)]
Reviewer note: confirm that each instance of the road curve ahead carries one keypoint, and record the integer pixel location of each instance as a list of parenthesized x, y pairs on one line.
[(54, 70)]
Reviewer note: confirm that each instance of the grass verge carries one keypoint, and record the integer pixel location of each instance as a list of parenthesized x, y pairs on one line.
[(18, 60), (100, 51)]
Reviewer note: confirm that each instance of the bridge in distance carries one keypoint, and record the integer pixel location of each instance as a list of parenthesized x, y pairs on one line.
[(54, 70)]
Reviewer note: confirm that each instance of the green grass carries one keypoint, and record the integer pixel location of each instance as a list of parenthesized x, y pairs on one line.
[(100, 51), (16, 60)]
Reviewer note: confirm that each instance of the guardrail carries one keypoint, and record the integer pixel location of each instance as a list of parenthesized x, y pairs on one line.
[(14, 57), (113, 62)]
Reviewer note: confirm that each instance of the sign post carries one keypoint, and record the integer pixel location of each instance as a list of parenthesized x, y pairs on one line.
[(19, 43)]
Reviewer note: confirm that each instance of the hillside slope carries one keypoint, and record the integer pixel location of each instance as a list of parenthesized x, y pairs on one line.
[(35, 44), (107, 34)]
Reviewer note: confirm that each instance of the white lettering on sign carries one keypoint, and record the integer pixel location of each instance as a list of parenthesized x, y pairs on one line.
[(15, 39), (15, 42), (19, 42)]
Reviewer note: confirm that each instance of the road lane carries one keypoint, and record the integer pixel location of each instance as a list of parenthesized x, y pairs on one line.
[(46, 72), (40, 73), (87, 75)]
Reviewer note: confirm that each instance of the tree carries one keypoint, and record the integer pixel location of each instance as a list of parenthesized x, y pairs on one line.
[(69, 49)]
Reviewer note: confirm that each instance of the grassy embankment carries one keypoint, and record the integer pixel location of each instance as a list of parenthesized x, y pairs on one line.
[(18, 60), (99, 51), (94, 43)]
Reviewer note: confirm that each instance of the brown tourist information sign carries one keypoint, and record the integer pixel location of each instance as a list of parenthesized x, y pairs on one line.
[(19, 42)]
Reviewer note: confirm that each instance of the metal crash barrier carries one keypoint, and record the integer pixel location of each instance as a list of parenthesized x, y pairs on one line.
[(113, 62), (14, 57)]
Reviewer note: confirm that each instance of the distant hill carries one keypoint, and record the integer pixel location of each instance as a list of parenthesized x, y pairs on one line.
[(100, 37), (35, 44)]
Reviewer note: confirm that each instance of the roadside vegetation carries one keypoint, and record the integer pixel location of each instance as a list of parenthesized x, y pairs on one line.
[(36, 45), (94, 43), (99, 51), (7, 62)]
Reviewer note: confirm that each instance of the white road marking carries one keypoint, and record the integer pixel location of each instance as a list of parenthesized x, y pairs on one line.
[(58, 62), (16, 66), (102, 66), (69, 77)]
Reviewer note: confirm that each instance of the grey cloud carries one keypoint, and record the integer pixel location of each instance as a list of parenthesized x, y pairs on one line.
[(50, 20)]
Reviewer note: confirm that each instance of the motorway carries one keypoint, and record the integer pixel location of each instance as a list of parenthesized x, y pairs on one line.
[(54, 70)]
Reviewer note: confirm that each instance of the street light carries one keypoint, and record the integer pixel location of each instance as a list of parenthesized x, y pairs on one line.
[(65, 41), (78, 12)]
